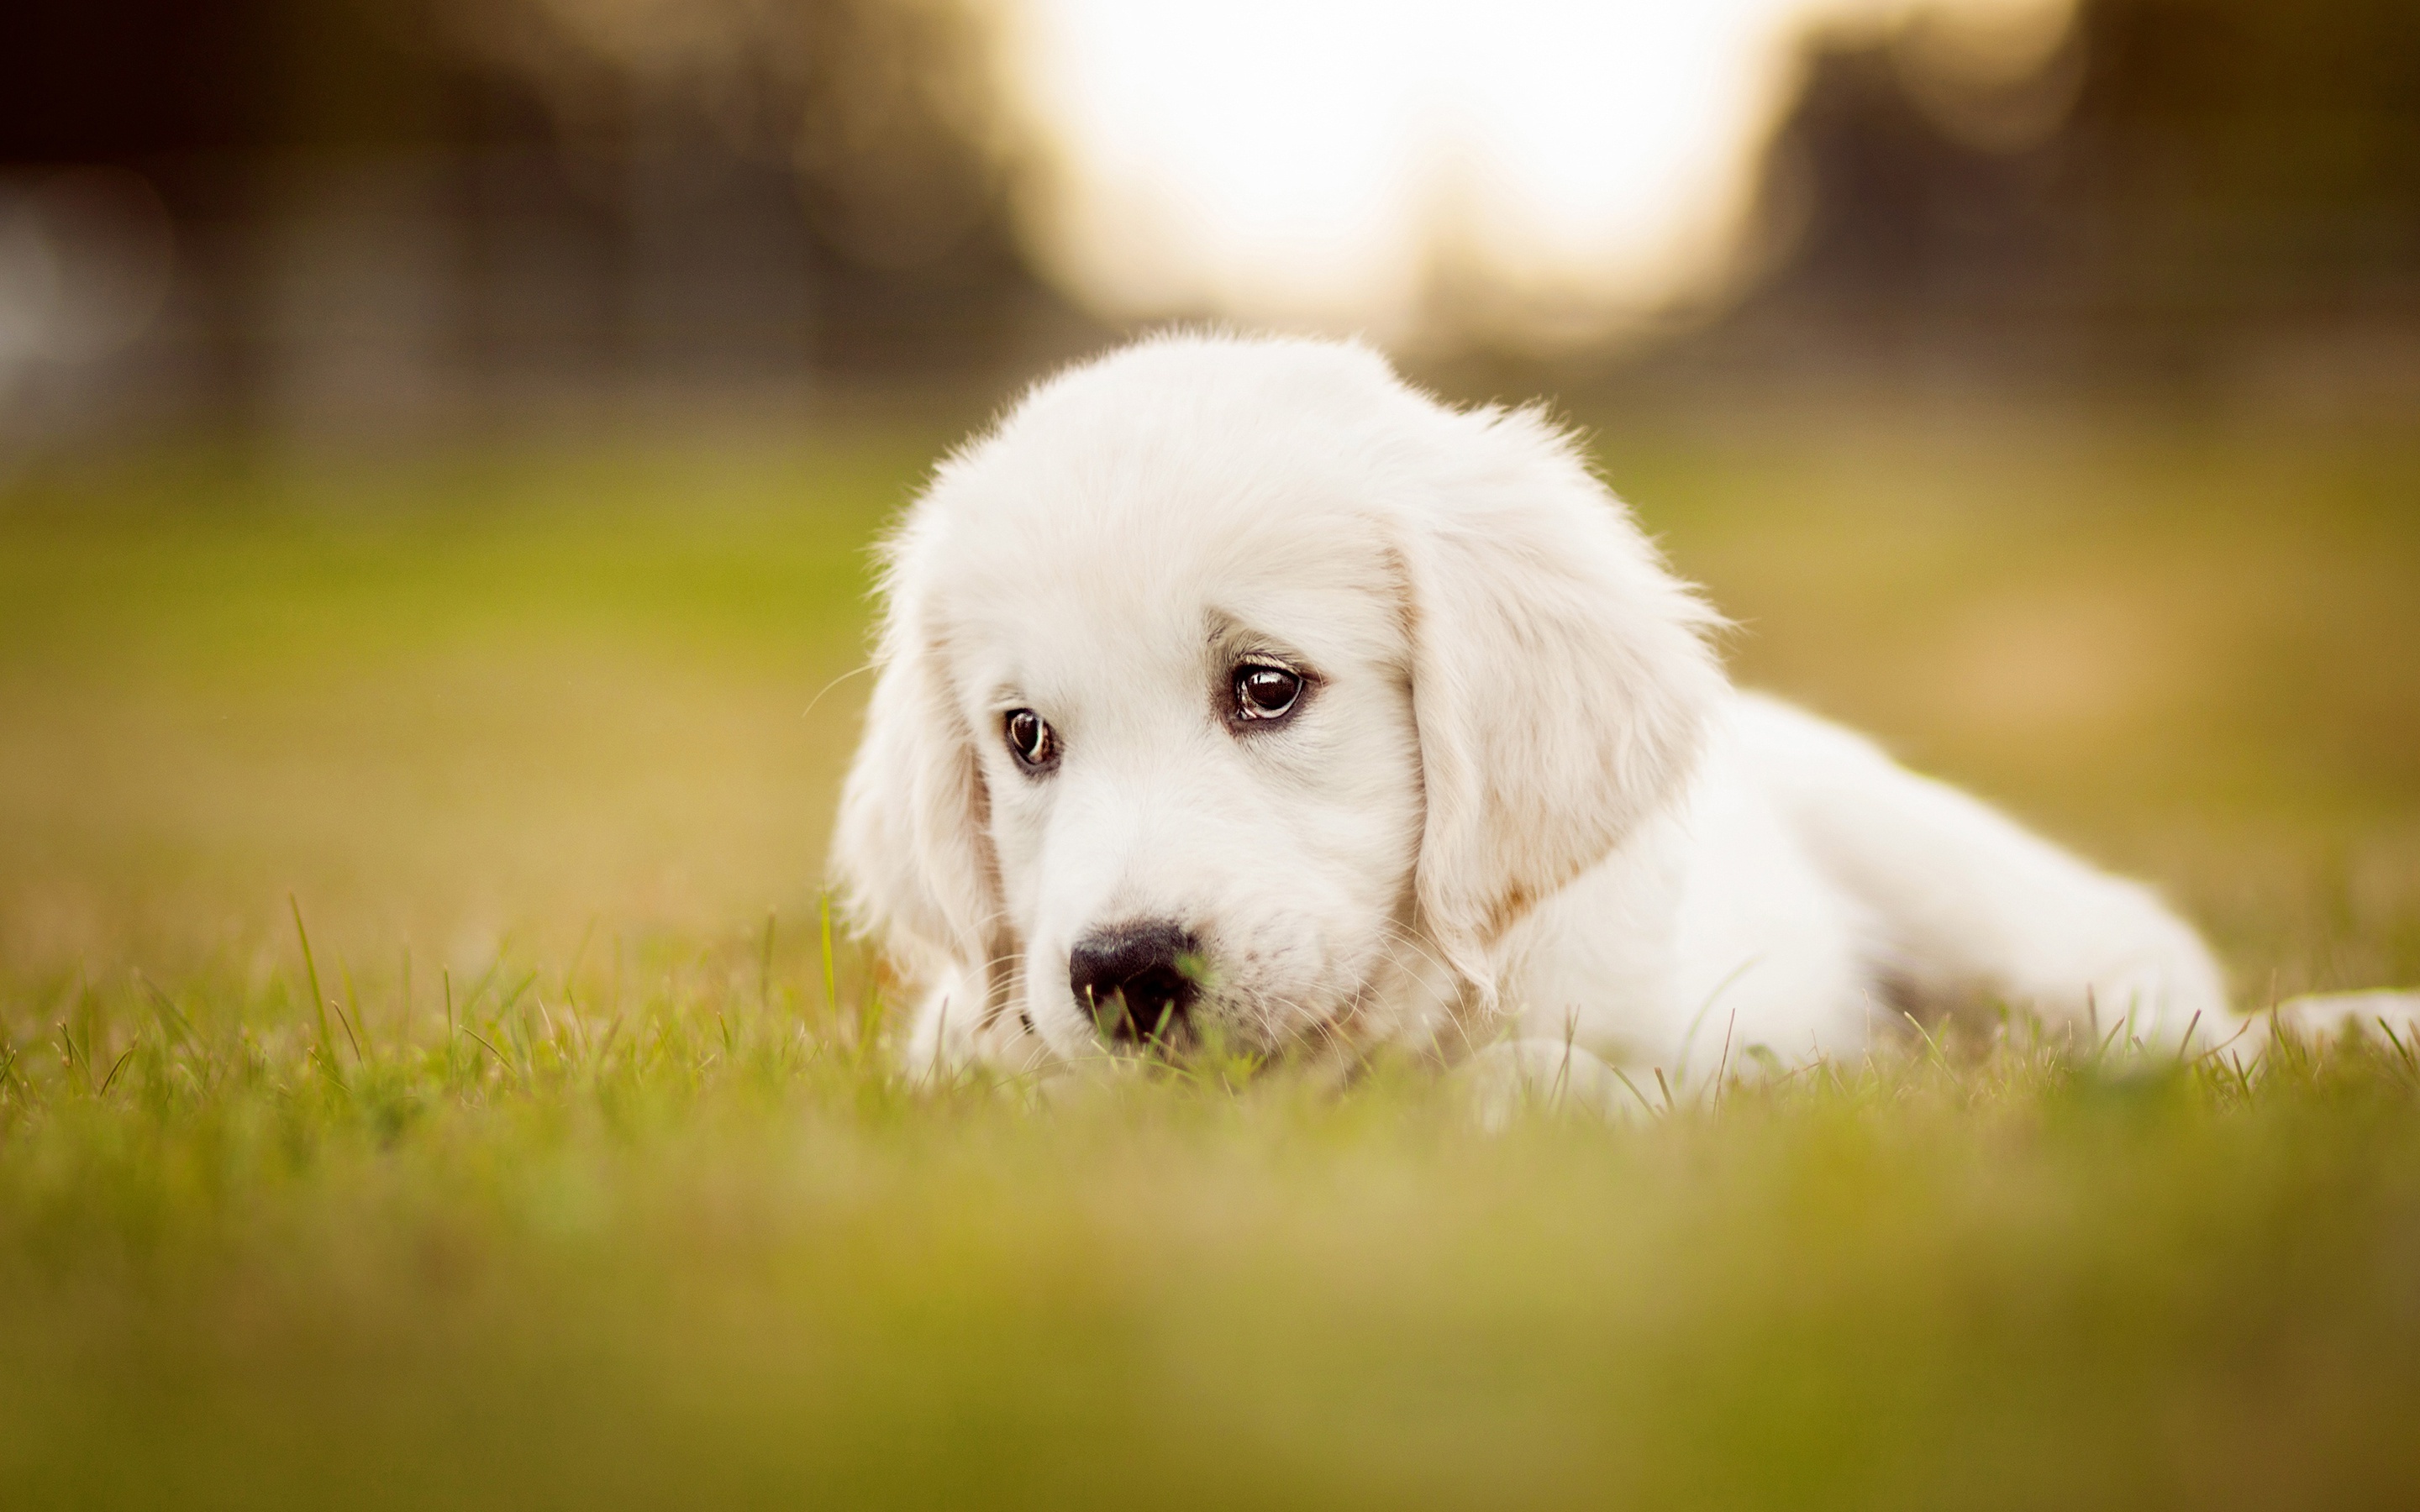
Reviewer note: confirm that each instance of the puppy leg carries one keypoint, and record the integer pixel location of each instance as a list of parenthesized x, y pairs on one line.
[(940, 1035), (958, 1026), (2381, 1017), (1514, 1075), (1970, 905)]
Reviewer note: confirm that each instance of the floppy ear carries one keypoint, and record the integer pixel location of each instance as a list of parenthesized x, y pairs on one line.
[(912, 848), (1560, 678)]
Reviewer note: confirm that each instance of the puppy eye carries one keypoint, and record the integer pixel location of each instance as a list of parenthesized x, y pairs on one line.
[(1034, 742), (1266, 692)]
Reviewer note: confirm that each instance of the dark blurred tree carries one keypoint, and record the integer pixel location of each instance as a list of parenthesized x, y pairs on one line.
[(2246, 153), (887, 112), (616, 180), (151, 84), (2186, 174)]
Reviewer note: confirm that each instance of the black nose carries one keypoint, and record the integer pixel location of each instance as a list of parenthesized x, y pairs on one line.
[(1138, 978)]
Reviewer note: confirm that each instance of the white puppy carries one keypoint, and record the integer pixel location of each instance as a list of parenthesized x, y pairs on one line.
[(1230, 690)]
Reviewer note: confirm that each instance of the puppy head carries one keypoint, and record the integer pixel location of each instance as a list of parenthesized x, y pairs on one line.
[(1225, 680)]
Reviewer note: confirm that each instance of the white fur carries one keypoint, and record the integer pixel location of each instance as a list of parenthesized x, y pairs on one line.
[(1521, 804)]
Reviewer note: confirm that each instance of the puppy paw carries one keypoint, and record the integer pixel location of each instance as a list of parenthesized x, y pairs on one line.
[(1523, 1077), (2380, 1016)]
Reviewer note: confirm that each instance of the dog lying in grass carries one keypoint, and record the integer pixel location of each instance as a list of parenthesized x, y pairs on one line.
[(1233, 693)]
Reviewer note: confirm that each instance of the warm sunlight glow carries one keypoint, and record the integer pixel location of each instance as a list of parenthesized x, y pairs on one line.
[(1364, 162)]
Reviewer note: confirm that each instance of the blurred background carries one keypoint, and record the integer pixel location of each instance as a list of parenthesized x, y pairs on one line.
[(384, 213), (438, 439)]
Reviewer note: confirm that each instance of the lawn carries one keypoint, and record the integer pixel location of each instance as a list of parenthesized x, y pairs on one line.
[(564, 1169)]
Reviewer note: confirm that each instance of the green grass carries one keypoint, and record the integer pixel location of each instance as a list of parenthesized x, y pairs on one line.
[(588, 1187)]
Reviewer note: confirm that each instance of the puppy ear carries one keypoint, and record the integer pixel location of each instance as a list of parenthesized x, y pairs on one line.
[(1560, 678), (912, 848)]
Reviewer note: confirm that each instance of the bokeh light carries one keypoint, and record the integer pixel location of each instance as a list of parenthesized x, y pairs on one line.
[(1364, 162)]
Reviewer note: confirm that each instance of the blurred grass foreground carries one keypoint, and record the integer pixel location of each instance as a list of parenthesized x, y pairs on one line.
[(565, 1169)]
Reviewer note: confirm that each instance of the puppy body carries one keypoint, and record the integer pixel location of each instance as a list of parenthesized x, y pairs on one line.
[(1809, 892), (1515, 802)]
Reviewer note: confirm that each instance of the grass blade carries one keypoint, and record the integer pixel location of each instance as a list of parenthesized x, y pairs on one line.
[(311, 973)]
